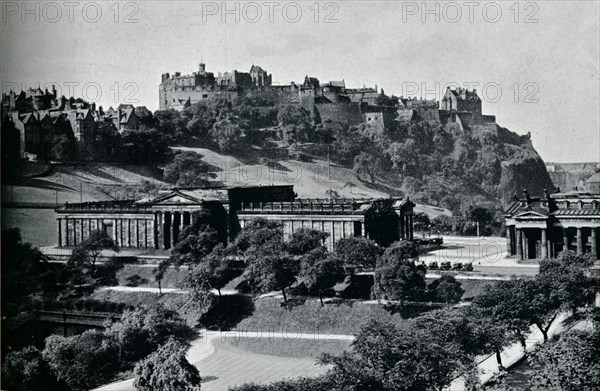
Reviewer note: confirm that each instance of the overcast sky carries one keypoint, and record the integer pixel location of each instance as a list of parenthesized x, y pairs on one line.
[(540, 77)]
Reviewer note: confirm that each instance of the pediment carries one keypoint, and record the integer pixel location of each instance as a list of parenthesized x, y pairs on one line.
[(531, 215), (175, 198)]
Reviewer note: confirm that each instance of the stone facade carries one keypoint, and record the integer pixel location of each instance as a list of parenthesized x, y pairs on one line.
[(541, 227), (158, 223)]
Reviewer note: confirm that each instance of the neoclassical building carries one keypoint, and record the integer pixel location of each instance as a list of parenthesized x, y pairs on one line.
[(157, 223), (541, 227)]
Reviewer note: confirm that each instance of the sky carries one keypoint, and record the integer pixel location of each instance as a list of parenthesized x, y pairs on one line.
[(535, 64)]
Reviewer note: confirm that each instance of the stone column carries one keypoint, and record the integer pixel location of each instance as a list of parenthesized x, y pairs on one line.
[(509, 251), (411, 226), (67, 232), (579, 241), (565, 239), (519, 243), (594, 240), (544, 245), (155, 230), (172, 229), (114, 231), (59, 224), (401, 223)]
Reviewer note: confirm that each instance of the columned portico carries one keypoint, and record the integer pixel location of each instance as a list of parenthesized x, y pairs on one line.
[(544, 226)]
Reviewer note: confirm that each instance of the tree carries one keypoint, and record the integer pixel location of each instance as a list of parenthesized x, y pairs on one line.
[(159, 273), (386, 357), (257, 233), (22, 269), (82, 261), (167, 369), (446, 289), (508, 303), (320, 272), (26, 370), (227, 134), (188, 169), (84, 361), (490, 335), (305, 240), (144, 146), (399, 281), (170, 123), (194, 247), (143, 330), (570, 364), (356, 253), (271, 268), (566, 278), (400, 251), (294, 124), (367, 164), (214, 272)]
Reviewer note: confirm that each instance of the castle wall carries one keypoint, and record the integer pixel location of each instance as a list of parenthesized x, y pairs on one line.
[(345, 113)]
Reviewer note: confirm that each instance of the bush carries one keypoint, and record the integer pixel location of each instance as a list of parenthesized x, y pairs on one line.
[(225, 312)]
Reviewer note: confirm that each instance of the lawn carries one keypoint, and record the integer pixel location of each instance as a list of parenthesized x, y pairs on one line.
[(173, 278), (345, 318), (174, 301), (233, 366), (288, 347)]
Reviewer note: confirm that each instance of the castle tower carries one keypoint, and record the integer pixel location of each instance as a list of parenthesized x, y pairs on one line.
[(202, 68)]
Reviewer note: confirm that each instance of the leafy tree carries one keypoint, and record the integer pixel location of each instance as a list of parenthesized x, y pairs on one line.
[(159, 273), (271, 268), (143, 330), (167, 369), (26, 370), (570, 364), (319, 271), (452, 326), (366, 164), (144, 146), (401, 280), (170, 123), (194, 247), (356, 253), (214, 272), (84, 361), (387, 357), (400, 251), (305, 240), (446, 289), (508, 303), (23, 267), (188, 169), (490, 335), (294, 123), (257, 233), (227, 134), (421, 222), (93, 246), (566, 277)]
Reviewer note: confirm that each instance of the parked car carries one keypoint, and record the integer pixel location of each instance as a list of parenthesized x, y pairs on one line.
[(468, 267), (445, 266), (457, 266), (433, 265)]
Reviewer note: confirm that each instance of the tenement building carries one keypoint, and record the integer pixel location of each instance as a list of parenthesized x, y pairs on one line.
[(541, 227), (158, 223)]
